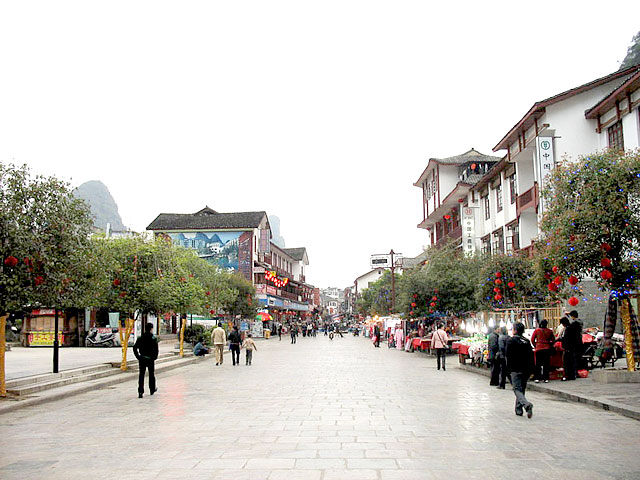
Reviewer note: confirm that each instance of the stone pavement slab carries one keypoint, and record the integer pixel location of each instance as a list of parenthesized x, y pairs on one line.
[(319, 409)]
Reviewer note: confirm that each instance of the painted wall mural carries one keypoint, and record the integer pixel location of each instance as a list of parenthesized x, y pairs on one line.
[(230, 251)]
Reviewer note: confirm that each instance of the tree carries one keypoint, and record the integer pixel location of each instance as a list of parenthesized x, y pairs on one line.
[(44, 246), (633, 53), (591, 228), (504, 281), (446, 283)]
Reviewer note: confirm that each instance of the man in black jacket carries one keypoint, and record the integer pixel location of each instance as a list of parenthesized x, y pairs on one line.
[(520, 364), (494, 352), (572, 344), (234, 345), (146, 351)]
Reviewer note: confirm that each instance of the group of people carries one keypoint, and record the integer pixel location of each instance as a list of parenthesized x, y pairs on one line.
[(518, 358), (219, 340)]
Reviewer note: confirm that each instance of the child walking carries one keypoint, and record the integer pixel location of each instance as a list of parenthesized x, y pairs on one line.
[(249, 345)]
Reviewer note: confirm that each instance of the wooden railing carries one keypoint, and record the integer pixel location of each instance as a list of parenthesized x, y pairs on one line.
[(528, 199), (454, 234)]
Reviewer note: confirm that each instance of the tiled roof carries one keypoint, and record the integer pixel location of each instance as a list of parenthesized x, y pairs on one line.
[(207, 219), (470, 156), (295, 253)]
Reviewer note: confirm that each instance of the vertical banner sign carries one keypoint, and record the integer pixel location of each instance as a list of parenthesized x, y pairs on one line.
[(245, 255), (546, 158), (468, 232)]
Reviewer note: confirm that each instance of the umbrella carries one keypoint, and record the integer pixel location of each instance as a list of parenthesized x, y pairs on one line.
[(265, 317)]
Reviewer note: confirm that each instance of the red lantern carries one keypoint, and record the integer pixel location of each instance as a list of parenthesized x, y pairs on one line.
[(413, 304), (552, 287), (498, 274), (547, 276), (415, 295), (511, 285), (498, 297), (605, 246), (473, 166), (411, 313), (123, 294), (208, 293), (497, 281), (572, 238), (606, 274), (116, 282), (447, 216), (496, 289), (573, 280), (212, 312), (432, 304), (605, 262), (434, 298), (11, 261), (557, 280), (573, 301), (555, 269), (38, 280)]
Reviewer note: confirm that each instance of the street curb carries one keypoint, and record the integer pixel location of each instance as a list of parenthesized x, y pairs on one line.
[(607, 405), (7, 406)]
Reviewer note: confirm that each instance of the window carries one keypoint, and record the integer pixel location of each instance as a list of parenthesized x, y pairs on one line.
[(497, 245), (616, 140), (513, 186), (486, 245), (487, 208), (513, 238), (499, 197)]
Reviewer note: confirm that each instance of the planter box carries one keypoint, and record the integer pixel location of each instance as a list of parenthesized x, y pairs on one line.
[(615, 375)]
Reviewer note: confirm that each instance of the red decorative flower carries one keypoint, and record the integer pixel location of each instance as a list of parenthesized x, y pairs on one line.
[(434, 298), (411, 313), (573, 301), (511, 285), (11, 261), (557, 280), (123, 294), (573, 280), (606, 274), (415, 295), (208, 293), (552, 287), (496, 289), (39, 280), (212, 312), (555, 269), (498, 274), (413, 304), (605, 246), (547, 276), (433, 304), (116, 282), (605, 262), (497, 281), (498, 297)]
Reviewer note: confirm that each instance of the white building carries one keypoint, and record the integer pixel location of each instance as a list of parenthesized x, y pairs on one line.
[(499, 211)]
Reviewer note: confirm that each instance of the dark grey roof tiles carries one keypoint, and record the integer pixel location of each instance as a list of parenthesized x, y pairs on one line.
[(207, 218), (470, 156), (295, 253)]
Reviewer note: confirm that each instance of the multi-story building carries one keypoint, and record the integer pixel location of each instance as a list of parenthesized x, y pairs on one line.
[(496, 206), (241, 242), (446, 184)]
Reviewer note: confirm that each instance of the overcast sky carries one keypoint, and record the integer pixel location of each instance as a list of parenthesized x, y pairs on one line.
[(322, 113)]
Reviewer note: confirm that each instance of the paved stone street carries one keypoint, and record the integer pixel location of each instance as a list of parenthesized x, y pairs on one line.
[(319, 409)]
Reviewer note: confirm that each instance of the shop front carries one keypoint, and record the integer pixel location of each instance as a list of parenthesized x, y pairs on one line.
[(38, 329)]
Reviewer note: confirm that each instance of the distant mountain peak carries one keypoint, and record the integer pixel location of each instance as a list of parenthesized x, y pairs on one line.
[(103, 207)]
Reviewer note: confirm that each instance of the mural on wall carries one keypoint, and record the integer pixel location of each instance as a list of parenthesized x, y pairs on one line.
[(223, 249)]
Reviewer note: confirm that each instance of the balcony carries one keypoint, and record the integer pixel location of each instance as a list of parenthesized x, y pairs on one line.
[(455, 234), (529, 199)]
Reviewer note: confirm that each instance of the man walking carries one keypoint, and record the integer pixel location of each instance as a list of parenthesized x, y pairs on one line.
[(494, 352), (234, 345), (520, 364), (219, 338), (146, 351), (294, 332)]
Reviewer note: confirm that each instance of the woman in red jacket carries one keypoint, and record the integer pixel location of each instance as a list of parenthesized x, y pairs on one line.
[(542, 340)]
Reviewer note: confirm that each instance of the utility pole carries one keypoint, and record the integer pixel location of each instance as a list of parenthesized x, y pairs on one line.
[(393, 282)]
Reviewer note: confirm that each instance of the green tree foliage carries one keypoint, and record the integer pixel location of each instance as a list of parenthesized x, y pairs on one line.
[(591, 223), (633, 53), (505, 281), (44, 242), (376, 299), (447, 275)]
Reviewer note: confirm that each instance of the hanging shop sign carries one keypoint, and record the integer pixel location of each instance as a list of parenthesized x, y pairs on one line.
[(468, 230)]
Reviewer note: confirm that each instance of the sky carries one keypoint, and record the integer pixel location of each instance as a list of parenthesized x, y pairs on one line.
[(322, 113)]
